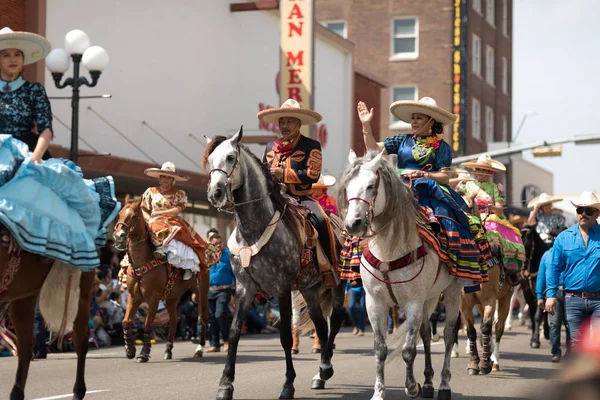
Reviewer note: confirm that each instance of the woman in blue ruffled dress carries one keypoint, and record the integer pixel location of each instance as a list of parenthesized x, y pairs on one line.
[(45, 203)]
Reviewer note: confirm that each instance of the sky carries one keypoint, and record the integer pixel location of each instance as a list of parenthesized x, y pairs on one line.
[(556, 74)]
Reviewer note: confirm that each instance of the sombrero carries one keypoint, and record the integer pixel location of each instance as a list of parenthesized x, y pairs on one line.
[(587, 199), (291, 108), (542, 199), (485, 162), (404, 109), (33, 46), (167, 169), (325, 181), (517, 219), (463, 176)]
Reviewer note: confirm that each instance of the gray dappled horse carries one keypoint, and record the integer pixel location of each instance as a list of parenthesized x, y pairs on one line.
[(377, 203), (242, 185)]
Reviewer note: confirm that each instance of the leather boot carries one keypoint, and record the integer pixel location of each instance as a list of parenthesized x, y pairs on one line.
[(295, 341), (328, 279)]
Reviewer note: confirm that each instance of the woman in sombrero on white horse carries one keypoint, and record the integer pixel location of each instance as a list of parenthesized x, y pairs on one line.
[(175, 239)]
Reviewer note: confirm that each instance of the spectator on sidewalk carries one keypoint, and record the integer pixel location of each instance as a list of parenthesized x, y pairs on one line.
[(357, 308)]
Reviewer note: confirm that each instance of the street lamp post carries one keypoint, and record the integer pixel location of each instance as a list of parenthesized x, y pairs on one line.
[(94, 58)]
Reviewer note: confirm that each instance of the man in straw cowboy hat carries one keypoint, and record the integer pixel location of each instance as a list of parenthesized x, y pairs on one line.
[(549, 222), (576, 255), (296, 160)]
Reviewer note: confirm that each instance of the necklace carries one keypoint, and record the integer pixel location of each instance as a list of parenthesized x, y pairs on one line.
[(7, 84)]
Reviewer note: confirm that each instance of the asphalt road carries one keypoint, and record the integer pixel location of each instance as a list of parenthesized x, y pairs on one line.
[(260, 372)]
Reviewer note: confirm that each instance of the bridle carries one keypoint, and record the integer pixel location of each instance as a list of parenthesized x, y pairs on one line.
[(128, 227), (370, 214)]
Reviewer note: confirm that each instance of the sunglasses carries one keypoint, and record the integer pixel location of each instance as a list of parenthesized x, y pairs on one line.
[(587, 210)]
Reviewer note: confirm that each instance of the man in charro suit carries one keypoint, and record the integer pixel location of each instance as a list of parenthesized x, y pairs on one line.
[(296, 161)]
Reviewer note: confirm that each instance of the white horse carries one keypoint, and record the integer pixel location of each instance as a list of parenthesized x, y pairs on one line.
[(410, 275)]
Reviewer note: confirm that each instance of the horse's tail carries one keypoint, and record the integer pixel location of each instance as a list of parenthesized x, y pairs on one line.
[(59, 298), (397, 339), (300, 318)]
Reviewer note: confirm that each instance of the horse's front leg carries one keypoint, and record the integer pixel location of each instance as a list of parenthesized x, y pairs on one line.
[(425, 333), (243, 299), (452, 297), (171, 305), (147, 345), (378, 312), (337, 314), (313, 300), (414, 319), (133, 303), (489, 308), (22, 313), (81, 331), (285, 334), (202, 300), (504, 307)]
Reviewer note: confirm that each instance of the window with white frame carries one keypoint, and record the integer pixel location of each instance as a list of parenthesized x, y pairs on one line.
[(475, 118), (504, 129), (490, 12), (477, 6), (504, 75), (476, 55), (489, 65), (405, 38), (505, 17), (402, 93), (489, 124), (338, 27)]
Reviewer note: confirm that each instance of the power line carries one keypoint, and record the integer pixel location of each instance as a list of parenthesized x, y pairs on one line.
[(171, 144)]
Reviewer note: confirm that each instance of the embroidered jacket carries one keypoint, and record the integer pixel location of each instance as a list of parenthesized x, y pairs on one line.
[(301, 168)]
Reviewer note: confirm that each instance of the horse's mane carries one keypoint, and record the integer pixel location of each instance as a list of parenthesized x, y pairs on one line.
[(273, 186), (400, 206)]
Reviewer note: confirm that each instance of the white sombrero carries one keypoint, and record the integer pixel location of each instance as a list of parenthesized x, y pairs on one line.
[(404, 109), (33, 46), (463, 176), (167, 169), (325, 181), (485, 162), (588, 199), (291, 108), (542, 199)]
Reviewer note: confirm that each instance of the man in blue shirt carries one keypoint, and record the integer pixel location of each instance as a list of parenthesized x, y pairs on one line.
[(576, 255), (558, 319), (222, 281)]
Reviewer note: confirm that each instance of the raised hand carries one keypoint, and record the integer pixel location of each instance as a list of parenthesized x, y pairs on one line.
[(364, 114)]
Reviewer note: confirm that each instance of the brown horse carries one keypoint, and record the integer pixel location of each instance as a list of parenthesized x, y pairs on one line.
[(22, 294), (150, 282)]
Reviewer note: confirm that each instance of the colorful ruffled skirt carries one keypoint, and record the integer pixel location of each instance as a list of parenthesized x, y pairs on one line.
[(50, 209), (505, 239)]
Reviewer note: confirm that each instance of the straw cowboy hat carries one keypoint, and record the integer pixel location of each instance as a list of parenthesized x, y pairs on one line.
[(485, 162), (404, 109), (517, 219), (34, 47), (291, 108), (324, 182), (587, 199), (167, 169), (463, 176), (542, 199)]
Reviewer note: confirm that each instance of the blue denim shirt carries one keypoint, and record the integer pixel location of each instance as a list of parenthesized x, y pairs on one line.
[(221, 273), (580, 264), (540, 286)]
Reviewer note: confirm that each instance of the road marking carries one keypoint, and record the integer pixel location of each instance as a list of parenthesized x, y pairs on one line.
[(66, 396), (89, 355), (433, 344)]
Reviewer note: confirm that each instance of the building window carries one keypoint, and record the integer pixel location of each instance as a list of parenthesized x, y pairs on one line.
[(504, 75), (505, 17), (402, 93), (476, 119), (489, 124), (504, 129), (338, 27), (489, 65), (490, 12), (405, 38), (476, 55), (477, 6)]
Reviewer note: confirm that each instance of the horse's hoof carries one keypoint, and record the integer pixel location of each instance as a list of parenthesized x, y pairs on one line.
[(79, 393), (428, 392), (295, 351), (496, 367), (198, 354), (316, 351), (317, 384), (225, 393), (454, 354), (130, 353), (142, 359), (444, 394), (287, 393), (325, 374), (535, 345), (508, 328), (472, 371), (415, 393), (17, 393), (485, 369), (435, 338), (168, 356)]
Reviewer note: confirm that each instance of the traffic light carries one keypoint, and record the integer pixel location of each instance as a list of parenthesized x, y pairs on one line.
[(547, 151)]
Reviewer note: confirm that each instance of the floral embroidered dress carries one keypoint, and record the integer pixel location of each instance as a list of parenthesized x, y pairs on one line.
[(183, 246), (501, 234), (48, 207)]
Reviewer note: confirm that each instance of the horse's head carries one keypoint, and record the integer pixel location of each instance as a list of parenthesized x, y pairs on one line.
[(535, 247), (362, 196), (129, 219), (222, 157)]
